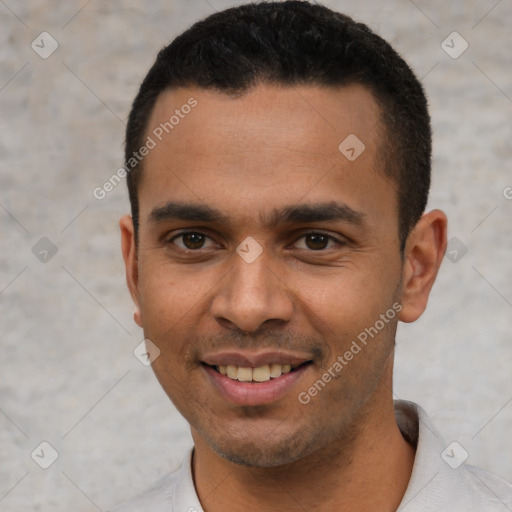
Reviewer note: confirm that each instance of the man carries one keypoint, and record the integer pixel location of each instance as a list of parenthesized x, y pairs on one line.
[(278, 165)]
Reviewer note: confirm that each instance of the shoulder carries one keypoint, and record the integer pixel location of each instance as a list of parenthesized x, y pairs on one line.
[(486, 489), (441, 479)]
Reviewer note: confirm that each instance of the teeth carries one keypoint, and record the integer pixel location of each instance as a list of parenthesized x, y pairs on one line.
[(232, 371), (276, 370), (244, 374), (259, 374)]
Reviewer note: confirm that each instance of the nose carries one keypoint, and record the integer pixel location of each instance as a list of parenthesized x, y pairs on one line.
[(251, 295)]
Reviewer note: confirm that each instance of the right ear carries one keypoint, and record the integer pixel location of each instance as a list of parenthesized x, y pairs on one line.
[(129, 248)]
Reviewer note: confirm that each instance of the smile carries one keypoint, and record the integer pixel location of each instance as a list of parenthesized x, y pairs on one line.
[(259, 374), (255, 378), (259, 385)]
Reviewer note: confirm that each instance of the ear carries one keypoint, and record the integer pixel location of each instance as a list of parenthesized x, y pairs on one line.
[(129, 248), (423, 256)]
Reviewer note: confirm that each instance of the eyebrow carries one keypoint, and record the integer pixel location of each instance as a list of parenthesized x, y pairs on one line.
[(301, 213)]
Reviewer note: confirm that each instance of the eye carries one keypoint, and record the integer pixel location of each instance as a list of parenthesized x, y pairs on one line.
[(195, 240), (192, 240), (317, 241)]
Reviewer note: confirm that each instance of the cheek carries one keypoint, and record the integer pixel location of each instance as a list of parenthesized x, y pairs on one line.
[(345, 300), (164, 306), (345, 309), (174, 307)]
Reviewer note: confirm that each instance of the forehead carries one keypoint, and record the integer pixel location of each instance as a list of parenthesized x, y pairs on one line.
[(271, 146)]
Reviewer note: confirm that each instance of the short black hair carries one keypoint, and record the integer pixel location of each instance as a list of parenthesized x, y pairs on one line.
[(297, 43)]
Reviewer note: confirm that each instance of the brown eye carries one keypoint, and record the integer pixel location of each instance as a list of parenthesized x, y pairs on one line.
[(191, 240), (317, 241)]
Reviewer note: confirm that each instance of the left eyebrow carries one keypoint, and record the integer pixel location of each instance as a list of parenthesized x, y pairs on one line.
[(301, 213), (316, 212)]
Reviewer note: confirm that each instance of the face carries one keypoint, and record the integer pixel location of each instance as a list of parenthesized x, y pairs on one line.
[(268, 270)]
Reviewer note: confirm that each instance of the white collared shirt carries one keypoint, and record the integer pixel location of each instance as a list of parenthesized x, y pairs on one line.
[(440, 481)]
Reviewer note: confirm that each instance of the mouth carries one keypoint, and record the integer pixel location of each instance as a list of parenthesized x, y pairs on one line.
[(261, 373), (257, 374), (254, 382)]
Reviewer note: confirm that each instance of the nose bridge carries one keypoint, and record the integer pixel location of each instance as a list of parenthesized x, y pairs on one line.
[(252, 293), (252, 277)]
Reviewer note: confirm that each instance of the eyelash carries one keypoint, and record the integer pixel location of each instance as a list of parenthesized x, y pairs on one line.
[(330, 237)]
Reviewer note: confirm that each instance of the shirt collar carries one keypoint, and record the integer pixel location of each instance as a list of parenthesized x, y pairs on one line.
[(417, 429), (185, 498)]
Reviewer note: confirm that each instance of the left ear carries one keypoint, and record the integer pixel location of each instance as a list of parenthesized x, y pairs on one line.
[(424, 251)]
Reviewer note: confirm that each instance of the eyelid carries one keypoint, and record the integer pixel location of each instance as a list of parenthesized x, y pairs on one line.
[(301, 235), (335, 239), (170, 240)]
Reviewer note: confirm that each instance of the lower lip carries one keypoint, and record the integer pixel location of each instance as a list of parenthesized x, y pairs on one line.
[(254, 393)]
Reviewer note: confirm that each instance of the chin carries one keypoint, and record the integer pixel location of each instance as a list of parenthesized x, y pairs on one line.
[(263, 452), (253, 456)]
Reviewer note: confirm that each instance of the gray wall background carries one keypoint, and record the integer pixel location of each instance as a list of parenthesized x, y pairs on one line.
[(68, 375)]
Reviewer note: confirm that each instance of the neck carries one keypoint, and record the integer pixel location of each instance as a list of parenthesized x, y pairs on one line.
[(369, 469)]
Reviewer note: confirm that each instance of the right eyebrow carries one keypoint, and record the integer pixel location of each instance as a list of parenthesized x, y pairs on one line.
[(187, 211)]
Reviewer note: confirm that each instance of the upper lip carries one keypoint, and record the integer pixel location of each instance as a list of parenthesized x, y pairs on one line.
[(253, 360)]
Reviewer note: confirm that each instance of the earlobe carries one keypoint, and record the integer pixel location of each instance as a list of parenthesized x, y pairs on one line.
[(423, 256), (129, 249), (136, 316)]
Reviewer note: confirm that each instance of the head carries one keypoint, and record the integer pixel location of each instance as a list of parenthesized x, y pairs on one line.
[(263, 126)]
